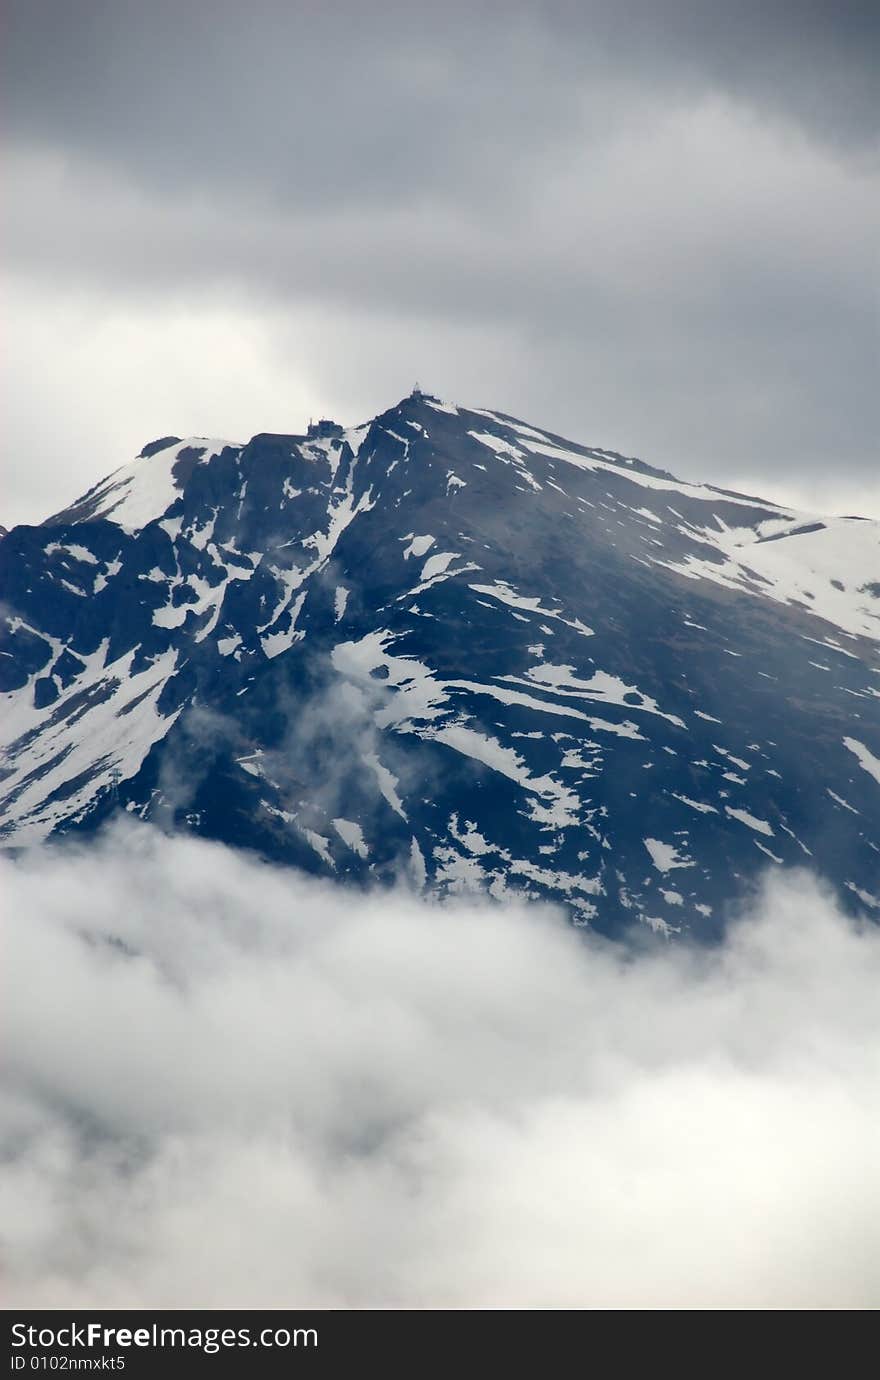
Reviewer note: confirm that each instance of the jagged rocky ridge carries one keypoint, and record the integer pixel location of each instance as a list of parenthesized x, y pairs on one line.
[(449, 646)]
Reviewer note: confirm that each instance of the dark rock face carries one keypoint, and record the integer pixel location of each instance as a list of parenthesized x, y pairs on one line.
[(448, 646)]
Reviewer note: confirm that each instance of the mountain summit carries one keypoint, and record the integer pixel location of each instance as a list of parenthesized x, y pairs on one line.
[(450, 646)]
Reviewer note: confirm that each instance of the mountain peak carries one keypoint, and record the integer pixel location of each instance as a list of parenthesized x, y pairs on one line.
[(451, 646), (153, 447)]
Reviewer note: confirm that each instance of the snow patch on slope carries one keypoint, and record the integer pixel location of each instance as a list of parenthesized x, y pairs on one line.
[(866, 759), (142, 491)]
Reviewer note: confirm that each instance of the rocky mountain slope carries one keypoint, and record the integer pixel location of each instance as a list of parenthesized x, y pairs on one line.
[(451, 647)]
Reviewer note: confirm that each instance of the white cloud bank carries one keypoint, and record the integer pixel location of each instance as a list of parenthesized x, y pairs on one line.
[(228, 1086)]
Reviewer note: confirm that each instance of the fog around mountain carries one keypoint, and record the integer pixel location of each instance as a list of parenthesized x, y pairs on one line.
[(229, 1085)]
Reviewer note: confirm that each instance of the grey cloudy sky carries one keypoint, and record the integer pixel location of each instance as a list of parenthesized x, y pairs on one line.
[(650, 226)]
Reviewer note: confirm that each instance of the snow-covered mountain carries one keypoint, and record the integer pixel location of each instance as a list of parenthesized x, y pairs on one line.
[(451, 646)]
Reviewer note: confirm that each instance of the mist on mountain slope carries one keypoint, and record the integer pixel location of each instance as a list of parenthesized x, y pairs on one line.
[(229, 1085)]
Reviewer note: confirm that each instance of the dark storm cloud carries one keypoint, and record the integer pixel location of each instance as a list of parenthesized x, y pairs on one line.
[(648, 224), (811, 61), (384, 98)]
